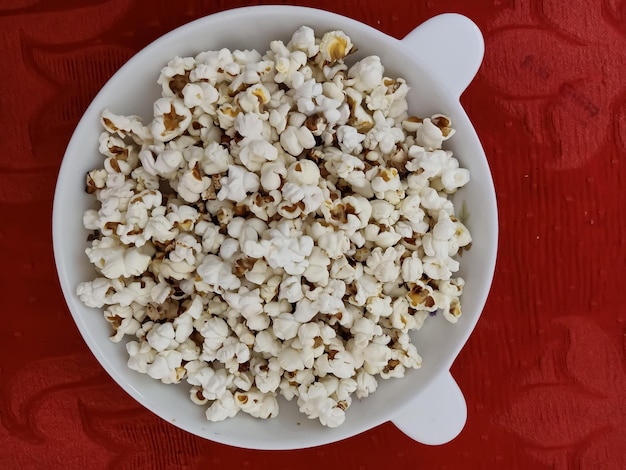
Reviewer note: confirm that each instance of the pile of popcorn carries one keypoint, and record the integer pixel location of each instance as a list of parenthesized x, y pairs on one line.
[(279, 228)]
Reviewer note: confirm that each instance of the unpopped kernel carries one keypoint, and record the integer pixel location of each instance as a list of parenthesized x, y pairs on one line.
[(279, 227)]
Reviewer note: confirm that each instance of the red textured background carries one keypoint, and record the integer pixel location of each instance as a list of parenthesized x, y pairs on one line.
[(544, 373)]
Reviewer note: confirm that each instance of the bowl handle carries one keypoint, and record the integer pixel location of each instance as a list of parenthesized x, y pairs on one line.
[(436, 415), (451, 46)]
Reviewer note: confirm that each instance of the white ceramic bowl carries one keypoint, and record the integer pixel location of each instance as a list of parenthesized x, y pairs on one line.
[(438, 59)]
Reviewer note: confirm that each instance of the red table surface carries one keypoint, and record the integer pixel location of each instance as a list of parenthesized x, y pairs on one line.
[(544, 372)]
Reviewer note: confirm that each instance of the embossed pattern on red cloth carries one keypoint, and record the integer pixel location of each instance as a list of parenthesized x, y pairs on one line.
[(544, 373)]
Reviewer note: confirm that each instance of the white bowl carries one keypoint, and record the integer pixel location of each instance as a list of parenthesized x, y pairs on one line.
[(438, 59)]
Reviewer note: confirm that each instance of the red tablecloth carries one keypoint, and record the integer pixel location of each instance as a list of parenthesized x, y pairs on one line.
[(544, 373)]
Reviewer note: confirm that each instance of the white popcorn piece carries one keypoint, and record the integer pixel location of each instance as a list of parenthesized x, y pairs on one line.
[(349, 139), (285, 326), (115, 260), (291, 289), (216, 159), (166, 367), (267, 343), (95, 293), (451, 287), (265, 206), (376, 357), (215, 331), (122, 321), (339, 363), (171, 119), (364, 329), (366, 287), (189, 350), (177, 67), (303, 198), (294, 140), (334, 243), (453, 311), (384, 135), (223, 408), (286, 62), (367, 73), (434, 131), (140, 356), (202, 94), (214, 383), (267, 374), (237, 184), (462, 236), (379, 307), (259, 273), (162, 337), (186, 247), (192, 184), (218, 274), (233, 353), (257, 404), (326, 299), (303, 172), (249, 304), (165, 164), (412, 268), (272, 175), (286, 250), (256, 152), (390, 97), (366, 384), (291, 359), (382, 264), (138, 292), (304, 40), (124, 126), (317, 270), (387, 179), (384, 212)]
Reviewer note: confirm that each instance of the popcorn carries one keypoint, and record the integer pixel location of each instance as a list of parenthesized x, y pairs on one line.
[(350, 139), (287, 251), (95, 293), (171, 119), (115, 260), (385, 134), (140, 356), (334, 46), (204, 95), (223, 408), (285, 326), (366, 73), (291, 289), (217, 274), (295, 139), (237, 184), (122, 321), (166, 367), (256, 152), (212, 382), (304, 40), (430, 135), (161, 337), (279, 228), (257, 404)]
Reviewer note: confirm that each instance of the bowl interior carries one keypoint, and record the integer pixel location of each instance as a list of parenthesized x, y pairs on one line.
[(132, 91)]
